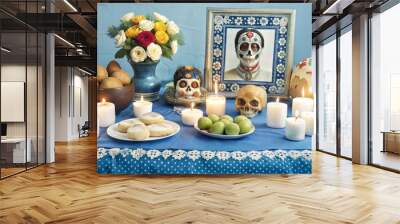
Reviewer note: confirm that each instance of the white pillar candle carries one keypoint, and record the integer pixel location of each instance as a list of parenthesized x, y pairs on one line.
[(301, 104), (215, 104), (309, 118), (190, 116), (276, 114), (295, 128), (105, 113), (141, 107)]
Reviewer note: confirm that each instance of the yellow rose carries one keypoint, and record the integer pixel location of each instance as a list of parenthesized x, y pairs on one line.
[(161, 37), (137, 19), (160, 26), (132, 31)]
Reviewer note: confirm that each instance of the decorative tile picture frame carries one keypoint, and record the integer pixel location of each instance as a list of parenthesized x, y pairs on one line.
[(268, 61)]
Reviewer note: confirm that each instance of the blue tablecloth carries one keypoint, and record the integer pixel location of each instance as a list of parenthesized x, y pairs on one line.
[(188, 138), (264, 152)]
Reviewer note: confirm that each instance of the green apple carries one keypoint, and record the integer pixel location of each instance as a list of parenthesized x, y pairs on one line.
[(217, 128), (214, 118), (245, 126), (232, 129), (227, 117), (226, 121), (240, 118), (204, 123)]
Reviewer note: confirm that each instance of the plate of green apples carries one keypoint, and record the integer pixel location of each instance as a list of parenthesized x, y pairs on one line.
[(225, 126)]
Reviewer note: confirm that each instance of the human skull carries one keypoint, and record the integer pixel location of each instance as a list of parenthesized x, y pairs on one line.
[(250, 100), (187, 82), (249, 44)]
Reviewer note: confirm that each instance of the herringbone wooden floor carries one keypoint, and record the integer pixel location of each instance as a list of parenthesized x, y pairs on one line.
[(70, 191)]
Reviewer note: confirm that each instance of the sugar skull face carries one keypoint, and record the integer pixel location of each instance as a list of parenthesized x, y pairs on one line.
[(188, 87), (187, 82), (249, 45), (250, 100)]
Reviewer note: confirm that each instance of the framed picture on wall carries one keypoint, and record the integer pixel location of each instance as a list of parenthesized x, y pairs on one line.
[(249, 46)]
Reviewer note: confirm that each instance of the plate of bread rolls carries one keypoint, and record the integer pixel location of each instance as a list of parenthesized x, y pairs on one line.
[(148, 127)]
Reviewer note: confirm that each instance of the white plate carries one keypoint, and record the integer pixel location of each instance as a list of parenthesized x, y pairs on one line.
[(113, 132), (223, 136)]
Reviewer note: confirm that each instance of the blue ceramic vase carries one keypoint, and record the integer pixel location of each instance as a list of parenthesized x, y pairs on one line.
[(145, 81)]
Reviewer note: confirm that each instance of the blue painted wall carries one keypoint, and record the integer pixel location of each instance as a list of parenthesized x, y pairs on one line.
[(191, 18)]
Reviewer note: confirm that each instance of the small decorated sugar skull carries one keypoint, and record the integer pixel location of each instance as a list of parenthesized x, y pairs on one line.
[(187, 82), (250, 100)]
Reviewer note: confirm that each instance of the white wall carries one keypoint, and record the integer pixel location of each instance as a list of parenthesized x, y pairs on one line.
[(34, 126), (12, 73), (16, 73), (71, 93), (62, 81), (80, 98)]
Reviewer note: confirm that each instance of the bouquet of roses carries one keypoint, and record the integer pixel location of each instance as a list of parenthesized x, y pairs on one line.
[(146, 38)]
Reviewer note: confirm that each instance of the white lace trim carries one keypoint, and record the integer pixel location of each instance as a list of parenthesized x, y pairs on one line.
[(193, 155), (207, 155)]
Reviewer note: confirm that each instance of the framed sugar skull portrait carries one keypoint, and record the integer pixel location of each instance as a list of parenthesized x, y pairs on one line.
[(249, 46)]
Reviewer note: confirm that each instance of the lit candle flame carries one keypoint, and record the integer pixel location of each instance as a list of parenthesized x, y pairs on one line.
[(302, 92), (216, 88), (192, 105), (103, 100), (296, 114), (277, 99), (141, 98)]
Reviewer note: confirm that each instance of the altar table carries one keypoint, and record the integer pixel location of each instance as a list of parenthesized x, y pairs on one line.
[(266, 151)]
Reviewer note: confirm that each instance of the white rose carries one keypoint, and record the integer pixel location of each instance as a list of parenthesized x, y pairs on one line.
[(138, 54), (172, 28), (174, 46), (146, 25), (154, 51), (160, 17), (127, 17), (120, 38)]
